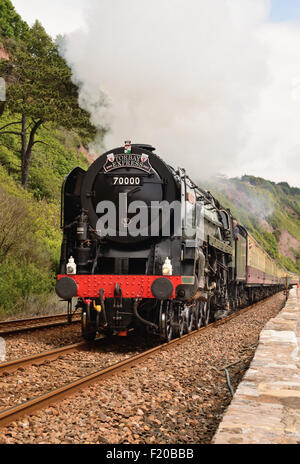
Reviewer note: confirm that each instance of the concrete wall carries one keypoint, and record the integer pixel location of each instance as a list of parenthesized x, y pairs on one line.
[(266, 406)]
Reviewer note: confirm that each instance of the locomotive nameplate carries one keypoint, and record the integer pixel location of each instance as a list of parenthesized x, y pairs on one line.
[(117, 161), (213, 241), (188, 280)]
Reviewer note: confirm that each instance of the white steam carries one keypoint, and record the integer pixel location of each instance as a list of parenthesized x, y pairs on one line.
[(272, 150), (183, 76), (254, 201)]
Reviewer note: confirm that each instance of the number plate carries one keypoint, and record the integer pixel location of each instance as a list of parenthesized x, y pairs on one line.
[(127, 180)]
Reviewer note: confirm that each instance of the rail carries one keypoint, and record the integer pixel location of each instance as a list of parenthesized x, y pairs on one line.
[(71, 388)]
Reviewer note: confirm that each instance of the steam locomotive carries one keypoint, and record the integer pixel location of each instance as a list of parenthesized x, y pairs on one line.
[(144, 246)]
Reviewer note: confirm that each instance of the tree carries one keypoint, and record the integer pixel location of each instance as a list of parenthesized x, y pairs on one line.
[(40, 90), (11, 24)]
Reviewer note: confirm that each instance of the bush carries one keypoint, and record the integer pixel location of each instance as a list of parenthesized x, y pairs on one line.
[(29, 246), (30, 235), (18, 280), (271, 244)]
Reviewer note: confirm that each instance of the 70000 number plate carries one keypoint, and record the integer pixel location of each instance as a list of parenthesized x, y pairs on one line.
[(127, 180)]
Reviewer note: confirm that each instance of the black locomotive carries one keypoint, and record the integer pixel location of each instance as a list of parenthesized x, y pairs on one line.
[(144, 246)]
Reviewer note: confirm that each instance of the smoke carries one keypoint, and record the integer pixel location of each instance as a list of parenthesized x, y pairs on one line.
[(273, 145), (247, 198), (183, 76)]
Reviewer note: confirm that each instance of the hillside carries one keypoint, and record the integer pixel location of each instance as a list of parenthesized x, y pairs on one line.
[(43, 135), (30, 236), (270, 211)]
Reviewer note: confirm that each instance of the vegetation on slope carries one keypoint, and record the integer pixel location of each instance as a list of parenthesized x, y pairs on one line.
[(39, 92), (30, 235), (270, 211), (41, 131)]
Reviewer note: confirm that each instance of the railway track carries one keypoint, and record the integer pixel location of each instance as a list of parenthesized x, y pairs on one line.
[(54, 396), (35, 323), (40, 358)]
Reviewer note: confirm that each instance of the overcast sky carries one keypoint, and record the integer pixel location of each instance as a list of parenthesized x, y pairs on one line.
[(63, 16), (262, 131), (57, 16)]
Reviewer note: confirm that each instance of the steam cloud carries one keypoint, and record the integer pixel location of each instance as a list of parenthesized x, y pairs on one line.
[(184, 76), (246, 197)]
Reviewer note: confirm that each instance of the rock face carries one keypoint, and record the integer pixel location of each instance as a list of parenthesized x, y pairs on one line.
[(3, 54), (288, 245), (266, 406), (90, 155)]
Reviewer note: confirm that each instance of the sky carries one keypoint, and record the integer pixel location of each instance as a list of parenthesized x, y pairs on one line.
[(57, 16), (246, 122), (284, 10), (72, 13)]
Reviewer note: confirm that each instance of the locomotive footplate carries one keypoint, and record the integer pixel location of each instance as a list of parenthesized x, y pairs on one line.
[(133, 286)]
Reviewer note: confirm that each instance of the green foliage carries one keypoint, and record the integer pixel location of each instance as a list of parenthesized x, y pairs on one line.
[(271, 244), (30, 221), (285, 187), (18, 281), (259, 182), (287, 263), (11, 24), (266, 209), (41, 102), (40, 83), (40, 91), (29, 244), (51, 161)]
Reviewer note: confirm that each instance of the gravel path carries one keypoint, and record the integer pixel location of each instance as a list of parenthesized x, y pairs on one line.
[(178, 396)]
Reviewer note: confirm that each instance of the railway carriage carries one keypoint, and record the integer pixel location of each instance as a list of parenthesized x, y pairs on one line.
[(144, 246)]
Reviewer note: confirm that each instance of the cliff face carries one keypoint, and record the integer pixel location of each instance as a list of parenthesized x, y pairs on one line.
[(90, 156), (288, 245), (3, 54)]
